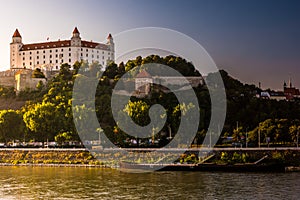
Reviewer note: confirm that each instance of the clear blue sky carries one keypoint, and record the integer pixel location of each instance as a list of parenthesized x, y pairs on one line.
[(253, 40)]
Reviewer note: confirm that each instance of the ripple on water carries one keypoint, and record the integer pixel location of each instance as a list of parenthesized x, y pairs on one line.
[(83, 183)]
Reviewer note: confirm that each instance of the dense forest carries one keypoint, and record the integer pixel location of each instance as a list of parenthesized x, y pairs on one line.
[(47, 114)]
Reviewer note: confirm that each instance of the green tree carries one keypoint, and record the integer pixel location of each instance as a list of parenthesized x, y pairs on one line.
[(63, 137), (44, 120), (111, 70), (12, 126), (138, 111), (37, 73)]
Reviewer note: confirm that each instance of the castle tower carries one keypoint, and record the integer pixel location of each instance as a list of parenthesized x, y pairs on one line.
[(110, 42), (290, 83), (76, 40), (15, 47), (284, 85)]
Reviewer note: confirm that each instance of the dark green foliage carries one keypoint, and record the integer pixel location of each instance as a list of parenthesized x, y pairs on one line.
[(275, 119), (7, 92), (37, 73)]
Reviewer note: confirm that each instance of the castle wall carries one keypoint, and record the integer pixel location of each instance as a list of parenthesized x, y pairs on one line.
[(24, 81), (8, 81)]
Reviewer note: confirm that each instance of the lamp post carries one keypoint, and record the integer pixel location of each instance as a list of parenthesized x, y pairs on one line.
[(210, 139), (247, 137), (258, 137), (298, 137)]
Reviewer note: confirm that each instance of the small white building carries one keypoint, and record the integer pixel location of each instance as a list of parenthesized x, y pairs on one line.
[(49, 55)]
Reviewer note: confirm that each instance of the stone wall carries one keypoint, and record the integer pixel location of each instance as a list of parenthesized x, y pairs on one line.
[(7, 81), (24, 80)]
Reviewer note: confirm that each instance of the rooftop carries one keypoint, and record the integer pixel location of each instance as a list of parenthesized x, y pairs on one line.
[(62, 43)]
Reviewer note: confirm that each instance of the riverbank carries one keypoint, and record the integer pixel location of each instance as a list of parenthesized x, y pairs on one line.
[(49, 157), (54, 165), (210, 159)]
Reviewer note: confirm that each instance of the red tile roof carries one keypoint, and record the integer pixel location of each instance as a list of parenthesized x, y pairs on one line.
[(62, 43), (46, 45), (16, 33), (94, 45), (75, 30), (143, 74)]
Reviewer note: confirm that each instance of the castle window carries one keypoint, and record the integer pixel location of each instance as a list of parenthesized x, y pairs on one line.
[(44, 62), (97, 56), (23, 53), (24, 64), (56, 61), (69, 60), (87, 50), (44, 57), (44, 51), (37, 57), (50, 61), (37, 52), (30, 58), (81, 49), (50, 51), (50, 56), (30, 63), (62, 50), (103, 57), (92, 56), (97, 51), (108, 53), (102, 52), (56, 56), (69, 49), (30, 53), (38, 62), (56, 50), (56, 67), (81, 54), (69, 54), (87, 55), (23, 58), (62, 61)]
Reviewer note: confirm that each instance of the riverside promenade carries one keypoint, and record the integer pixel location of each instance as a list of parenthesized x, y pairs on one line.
[(160, 149)]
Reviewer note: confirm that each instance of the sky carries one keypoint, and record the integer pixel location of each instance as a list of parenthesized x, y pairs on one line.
[(253, 40)]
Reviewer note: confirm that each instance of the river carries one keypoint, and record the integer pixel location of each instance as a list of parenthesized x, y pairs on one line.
[(91, 183)]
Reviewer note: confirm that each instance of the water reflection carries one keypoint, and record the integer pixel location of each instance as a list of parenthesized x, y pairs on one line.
[(89, 183)]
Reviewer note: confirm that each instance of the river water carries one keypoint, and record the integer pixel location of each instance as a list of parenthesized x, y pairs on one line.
[(90, 183)]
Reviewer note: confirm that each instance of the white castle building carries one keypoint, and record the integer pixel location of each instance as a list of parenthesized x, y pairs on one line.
[(50, 55)]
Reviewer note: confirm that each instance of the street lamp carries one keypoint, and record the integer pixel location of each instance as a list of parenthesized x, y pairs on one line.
[(247, 137), (298, 137), (258, 137)]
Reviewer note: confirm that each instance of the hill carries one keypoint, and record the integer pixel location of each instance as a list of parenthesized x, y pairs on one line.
[(11, 104)]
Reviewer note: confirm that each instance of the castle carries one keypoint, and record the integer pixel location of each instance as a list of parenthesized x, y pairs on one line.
[(48, 56)]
